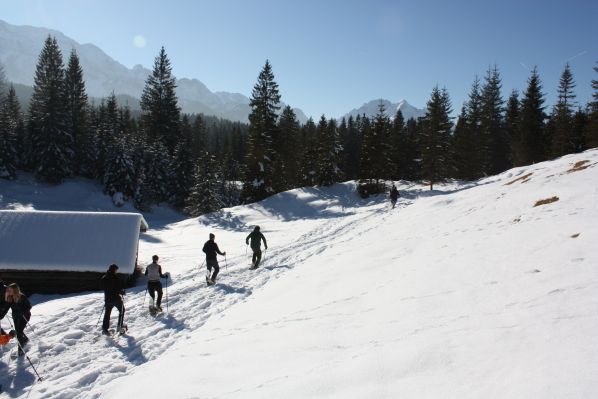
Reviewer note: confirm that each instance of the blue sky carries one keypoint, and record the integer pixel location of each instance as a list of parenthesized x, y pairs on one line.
[(331, 56)]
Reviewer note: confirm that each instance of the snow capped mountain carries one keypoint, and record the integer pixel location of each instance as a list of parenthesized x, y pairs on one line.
[(474, 290), (371, 108), (20, 47)]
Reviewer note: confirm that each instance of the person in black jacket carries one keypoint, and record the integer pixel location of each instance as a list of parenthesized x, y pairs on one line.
[(394, 195), (210, 248), (21, 312), (256, 238), (113, 292)]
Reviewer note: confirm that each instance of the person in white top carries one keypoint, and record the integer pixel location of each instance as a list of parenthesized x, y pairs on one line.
[(154, 273)]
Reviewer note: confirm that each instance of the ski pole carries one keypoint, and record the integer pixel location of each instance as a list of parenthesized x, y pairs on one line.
[(39, 378), (101, 314)]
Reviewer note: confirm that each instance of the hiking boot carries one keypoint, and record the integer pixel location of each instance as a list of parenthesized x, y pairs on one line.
[(105, 332)]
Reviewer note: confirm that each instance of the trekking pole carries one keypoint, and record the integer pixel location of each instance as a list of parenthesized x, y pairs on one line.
[(39, 378), (225, 263), (101, 314)]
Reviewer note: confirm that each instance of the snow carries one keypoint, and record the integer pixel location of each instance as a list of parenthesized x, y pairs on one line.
[(68, 241), (467, 291)]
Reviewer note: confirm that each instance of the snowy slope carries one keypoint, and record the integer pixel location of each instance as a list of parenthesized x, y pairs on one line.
[(467, 292)]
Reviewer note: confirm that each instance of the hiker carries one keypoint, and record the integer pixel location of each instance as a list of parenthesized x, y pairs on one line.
[(21, 313), (256, 238), (113, 292), (394, 195), (154, 273), (210, 248)]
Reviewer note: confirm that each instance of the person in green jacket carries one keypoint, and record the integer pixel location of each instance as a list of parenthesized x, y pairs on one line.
[(256, 238)]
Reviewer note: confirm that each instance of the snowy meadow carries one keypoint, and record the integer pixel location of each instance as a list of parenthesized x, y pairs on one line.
[(477, 290)]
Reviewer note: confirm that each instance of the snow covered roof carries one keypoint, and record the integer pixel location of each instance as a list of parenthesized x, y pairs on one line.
[(69, 241)]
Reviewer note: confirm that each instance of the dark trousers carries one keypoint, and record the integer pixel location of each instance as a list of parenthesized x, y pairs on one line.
[(21, 321), (257, 257), (152, 288), (213, 264), (108, 310)]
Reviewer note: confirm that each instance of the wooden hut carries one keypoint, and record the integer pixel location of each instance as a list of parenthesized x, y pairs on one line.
[(63, 252)]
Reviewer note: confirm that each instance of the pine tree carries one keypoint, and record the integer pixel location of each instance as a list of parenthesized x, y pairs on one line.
[(436, 137), (591, 130), (51, 142), (76, 108), (119, 176), (308, 171), (106, 135), (159, 104), (562, 116), (182, 168), (534, 143), (290, 146), (580, 121), (204, 197), (397, 144), (157, 173), (352, 146), (328, 153), (495, 142), (16, 126), (8, 153), (512, 128), (265, 103), (412, 165), (199, 140), (468, 140)]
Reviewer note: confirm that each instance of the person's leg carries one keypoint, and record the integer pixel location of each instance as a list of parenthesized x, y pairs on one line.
[(216, 271), (151, 290), (121, 314), (258, 255), (107, 310), (159, 289), (254, 258)]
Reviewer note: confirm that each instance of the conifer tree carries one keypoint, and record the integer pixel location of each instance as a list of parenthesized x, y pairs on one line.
[(580, 121), (290, 146), (182, 168), (204, 197), (51, 143), (157, 167), (265, 103), (159, 104), (8, 153), (352, 148), (534, 143), (308, 171), (199, 140), (328, 152), (76, 108), (512, 128), (435, 138), (106, 136), (468, 140), (412, 165), (119, 176), (495, 143), (16, 126), (562, 116), (397, 144), (591, 130)]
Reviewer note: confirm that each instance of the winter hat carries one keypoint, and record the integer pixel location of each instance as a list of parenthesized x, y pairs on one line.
[(113, 268), (212, 235)]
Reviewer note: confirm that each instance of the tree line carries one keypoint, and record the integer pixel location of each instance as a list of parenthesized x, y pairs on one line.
[(199, 164)]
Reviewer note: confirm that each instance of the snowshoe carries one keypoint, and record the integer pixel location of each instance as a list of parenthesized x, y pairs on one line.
[(152, 310), (123, 330)]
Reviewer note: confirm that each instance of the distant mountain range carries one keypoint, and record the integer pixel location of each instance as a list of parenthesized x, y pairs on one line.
[(20, 47), (371, 108)]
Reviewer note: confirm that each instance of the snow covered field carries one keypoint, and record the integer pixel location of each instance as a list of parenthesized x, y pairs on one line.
[(465, 292)]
